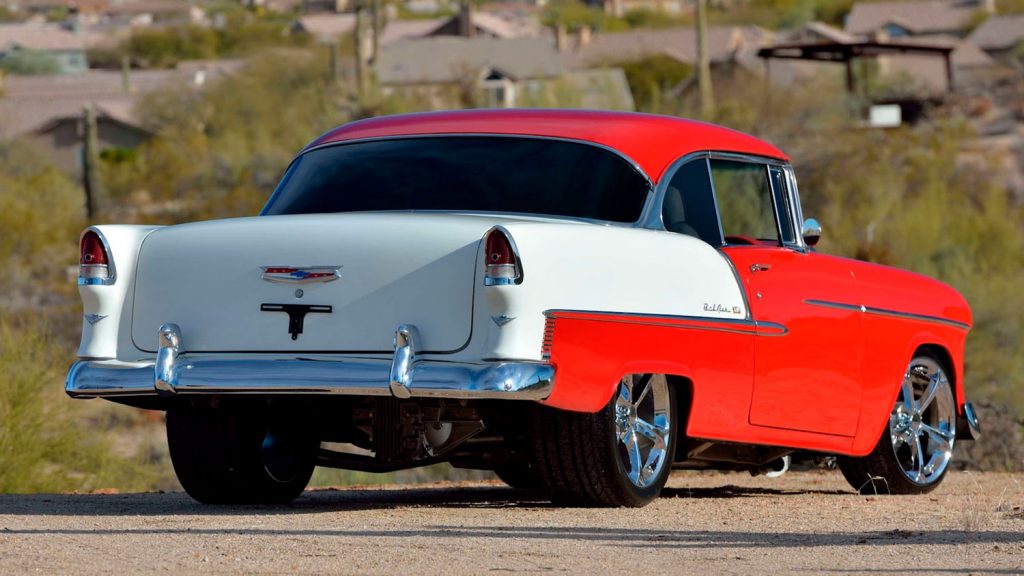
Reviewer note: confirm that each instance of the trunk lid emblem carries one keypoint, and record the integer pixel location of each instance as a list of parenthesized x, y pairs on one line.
[(301, 274)]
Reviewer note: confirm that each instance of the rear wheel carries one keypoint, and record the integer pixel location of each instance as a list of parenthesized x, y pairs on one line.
[(915, 449), (620, 456), (239, 453)]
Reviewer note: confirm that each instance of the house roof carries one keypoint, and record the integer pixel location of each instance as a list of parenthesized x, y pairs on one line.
[(148, 7), (329, 27), (965, 54), (44, 37), (918, 17), (999, 32), (724, 42), (652, 141), (29, 102), (826, 32), (445, 59)]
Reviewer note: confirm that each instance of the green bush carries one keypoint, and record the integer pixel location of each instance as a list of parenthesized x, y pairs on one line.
[(44, 445)]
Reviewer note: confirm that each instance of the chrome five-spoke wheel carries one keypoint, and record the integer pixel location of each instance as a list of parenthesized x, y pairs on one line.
[(619, 456), (915, 450), (922, 425), (642, 427)]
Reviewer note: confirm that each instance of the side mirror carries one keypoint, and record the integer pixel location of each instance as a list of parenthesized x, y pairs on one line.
[(811, 232)]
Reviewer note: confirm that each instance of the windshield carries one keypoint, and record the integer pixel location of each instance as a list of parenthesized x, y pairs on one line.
[(464, 174)]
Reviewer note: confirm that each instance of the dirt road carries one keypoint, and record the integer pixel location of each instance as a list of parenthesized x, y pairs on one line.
[(706, 524)]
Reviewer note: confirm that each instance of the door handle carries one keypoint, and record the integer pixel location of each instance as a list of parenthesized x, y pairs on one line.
[(754, 268)]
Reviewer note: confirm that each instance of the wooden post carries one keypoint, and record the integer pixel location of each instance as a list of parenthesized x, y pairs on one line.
[(90, 163), (333, 70), (377, 23), (707, 96), (360, 39)]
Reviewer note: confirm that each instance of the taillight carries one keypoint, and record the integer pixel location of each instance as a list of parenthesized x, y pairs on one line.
[(93, 261), (501, 262)]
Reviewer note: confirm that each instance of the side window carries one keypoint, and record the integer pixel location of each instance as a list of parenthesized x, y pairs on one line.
[(689, 206), (745, 201)]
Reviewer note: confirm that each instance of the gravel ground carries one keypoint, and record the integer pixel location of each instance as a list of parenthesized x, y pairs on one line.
[(705, 524)]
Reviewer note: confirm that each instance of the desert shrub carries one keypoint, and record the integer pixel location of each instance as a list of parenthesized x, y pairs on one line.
[(44, 445)]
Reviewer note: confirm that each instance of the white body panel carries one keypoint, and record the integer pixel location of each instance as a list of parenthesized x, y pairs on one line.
[(424, 269)]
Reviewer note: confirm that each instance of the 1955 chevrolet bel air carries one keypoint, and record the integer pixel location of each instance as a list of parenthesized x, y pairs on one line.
[(580, 301)]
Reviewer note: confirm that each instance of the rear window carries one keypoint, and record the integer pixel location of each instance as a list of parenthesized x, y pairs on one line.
[(464, 174)]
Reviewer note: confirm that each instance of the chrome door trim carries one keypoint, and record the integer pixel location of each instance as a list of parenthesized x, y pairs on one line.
[(887, 312)]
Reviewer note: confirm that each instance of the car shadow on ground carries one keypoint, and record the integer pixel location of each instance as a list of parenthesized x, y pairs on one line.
[(319, 500)]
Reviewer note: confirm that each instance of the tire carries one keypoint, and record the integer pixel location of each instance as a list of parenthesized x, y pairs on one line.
[(585, 459), (926, 426), (239, 452)]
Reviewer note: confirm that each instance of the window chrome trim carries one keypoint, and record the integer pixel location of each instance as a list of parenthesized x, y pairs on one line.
[(111, 268), (798, 210), (886, 312), (632, 163), (653, 218)]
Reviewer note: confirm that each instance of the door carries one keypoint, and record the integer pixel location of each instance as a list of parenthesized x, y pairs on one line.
[(807, 353)]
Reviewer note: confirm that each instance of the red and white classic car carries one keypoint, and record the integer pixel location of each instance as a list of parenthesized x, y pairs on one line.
[(580, 301)]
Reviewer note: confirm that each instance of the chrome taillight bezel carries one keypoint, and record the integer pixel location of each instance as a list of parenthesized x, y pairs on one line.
[(502, 274), (96, 274)]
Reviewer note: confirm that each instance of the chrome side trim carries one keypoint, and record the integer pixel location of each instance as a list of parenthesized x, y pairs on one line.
[(165, 377), (499, 380), (405, 353), (886, 312), (111, 268), (736, 326)]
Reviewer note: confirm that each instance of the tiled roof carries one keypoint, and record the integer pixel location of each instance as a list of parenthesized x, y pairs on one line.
[(445, 59), (918, 17), (30, 102), (45, 37), (724, 43), (999, 32)]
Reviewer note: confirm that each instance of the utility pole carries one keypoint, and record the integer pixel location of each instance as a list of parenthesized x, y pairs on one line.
[(90, 163), (377, 23), (362, 71), (707, 96)]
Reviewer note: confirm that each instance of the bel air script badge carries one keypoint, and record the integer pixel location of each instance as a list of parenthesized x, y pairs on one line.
[(301, 274), (721, 308)]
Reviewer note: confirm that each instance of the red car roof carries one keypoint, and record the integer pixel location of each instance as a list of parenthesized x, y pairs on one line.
[(652, 141)]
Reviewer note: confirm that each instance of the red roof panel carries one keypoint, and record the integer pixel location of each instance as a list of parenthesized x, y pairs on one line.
[(652, 141)]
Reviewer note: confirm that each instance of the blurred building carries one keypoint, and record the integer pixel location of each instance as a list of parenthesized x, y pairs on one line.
[(42, 47), (915, 17), (47, 110), (498, 73), (1000, 35)]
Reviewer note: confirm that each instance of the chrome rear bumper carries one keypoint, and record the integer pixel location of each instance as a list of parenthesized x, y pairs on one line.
[(402, 376)]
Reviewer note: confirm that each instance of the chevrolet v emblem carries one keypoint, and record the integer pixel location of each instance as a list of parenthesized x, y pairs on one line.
[(301, 274), (296, 314)]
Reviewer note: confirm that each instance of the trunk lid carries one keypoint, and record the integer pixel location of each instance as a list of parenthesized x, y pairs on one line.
[(394, 269)]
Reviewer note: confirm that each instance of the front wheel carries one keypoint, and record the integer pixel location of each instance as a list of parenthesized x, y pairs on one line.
[(620, 456), (239, 452), (915, 449)]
